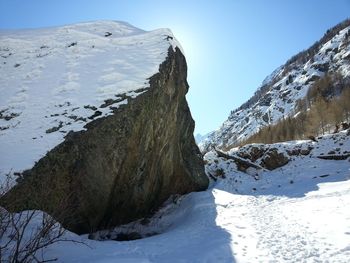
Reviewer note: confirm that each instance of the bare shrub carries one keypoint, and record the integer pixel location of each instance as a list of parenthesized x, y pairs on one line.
[(25, 236)]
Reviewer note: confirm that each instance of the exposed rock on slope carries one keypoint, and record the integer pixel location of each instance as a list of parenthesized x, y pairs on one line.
[(247, 156), (278, 95), (124, 165), (252, 159)]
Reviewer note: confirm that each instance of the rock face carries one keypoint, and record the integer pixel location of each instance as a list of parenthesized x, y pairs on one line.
[(124, 166)]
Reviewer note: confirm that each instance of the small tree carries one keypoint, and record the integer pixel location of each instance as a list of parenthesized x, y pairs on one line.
[(344, 104), (25, 235), (318, 116)]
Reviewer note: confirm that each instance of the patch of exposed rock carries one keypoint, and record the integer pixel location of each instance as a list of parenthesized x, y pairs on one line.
[(264, 155), (273, 159)]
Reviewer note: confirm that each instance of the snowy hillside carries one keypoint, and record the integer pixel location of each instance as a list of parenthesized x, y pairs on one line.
[(57, 80), (294, 213), (279, 92)]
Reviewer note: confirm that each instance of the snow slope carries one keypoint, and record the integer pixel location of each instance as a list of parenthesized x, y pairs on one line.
[(276, 98), (57, 80), (296, 213)]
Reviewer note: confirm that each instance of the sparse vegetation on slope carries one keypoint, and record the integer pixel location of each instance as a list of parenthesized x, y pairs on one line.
[(325, 109)]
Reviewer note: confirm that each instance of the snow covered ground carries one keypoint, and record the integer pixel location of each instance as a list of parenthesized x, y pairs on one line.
[(295, 213), (56, 80)]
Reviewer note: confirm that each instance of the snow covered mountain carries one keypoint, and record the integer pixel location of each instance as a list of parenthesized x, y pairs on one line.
[(199, 137), (57, 80), (278, 94)]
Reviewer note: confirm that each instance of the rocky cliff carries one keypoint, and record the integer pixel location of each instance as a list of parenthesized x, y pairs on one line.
[(121, 166)]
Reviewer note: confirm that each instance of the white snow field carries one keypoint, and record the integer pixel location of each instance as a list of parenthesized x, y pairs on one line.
[(296, 213), (56, 80)]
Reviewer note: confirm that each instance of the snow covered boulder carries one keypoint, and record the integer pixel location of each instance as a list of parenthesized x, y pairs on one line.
[(264, 155), (252, 152), (105, 121), (273, 159)]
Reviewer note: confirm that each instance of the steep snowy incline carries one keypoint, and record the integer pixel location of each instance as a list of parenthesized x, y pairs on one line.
[(279, 92), (57, 80)]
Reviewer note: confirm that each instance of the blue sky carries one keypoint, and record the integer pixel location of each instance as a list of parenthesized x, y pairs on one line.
[(230, 45)]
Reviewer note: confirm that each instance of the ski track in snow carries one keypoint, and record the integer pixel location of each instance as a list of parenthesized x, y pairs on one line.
[(282, 231), (219, 226)]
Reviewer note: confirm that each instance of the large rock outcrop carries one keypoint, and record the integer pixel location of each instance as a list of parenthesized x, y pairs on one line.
[(124, 166)]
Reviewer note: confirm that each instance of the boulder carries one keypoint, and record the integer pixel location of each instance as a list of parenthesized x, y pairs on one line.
[(273, 159), (297, 151), (252, 151), (256, 152), (123, 166)]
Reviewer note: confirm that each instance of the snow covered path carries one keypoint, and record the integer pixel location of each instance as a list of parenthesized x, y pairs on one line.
[(315, 228), (220, 226)]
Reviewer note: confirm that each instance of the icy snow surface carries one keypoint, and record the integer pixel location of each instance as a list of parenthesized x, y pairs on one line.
[(296, 213), (53, 80)]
